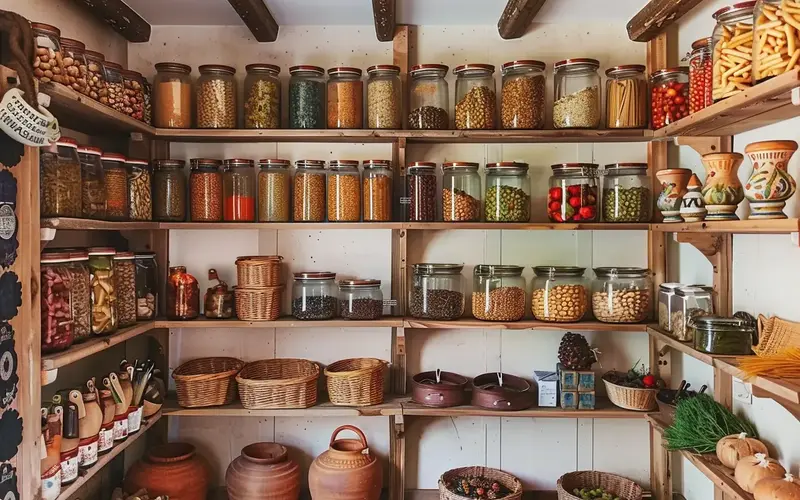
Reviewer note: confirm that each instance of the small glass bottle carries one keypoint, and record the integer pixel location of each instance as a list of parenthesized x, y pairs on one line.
[(437, 292), (172, 88), (314, 296), (262, 96), (572, 196), (508, 189), (169, 191), (309, 191), (700, 75), (621, 294), (239, 186), (48, 61), (522, 99), (360, 299), (104, 294), (461, 192), (626, 97), (421, 192), (125, 285), (429, 98), (60, 179), (140, 186), (345, 98), (560, 294), (146, 286), (116, 183), (96, 77), (626, 193), (93, 189), (115, 87), (384, 97), (344, 191), (733, 21), (576, 100), (183, 295), (498, 293), (215, 95), (274, 190), (205, 190), (306, 97), (475, 97), (74, 61), (669, 96), (377, 190)]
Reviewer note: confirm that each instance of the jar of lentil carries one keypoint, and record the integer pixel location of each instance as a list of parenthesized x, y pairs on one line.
[(522, 98), (560, 294), (498, 293), (508, 190), (183, 295), (626, 193), (314, 295), (134, 94), (274, 190), (169, 191), (93, 190), (360, 299), (238, 188), (116, 183), (309, 191), (437, 292), (345, 98), (377, 190), (669, 93), (60, 183), (172, 86), (81, 295), (429, 98), (48, 64), (461, 192), (475, 97), (344, 191), (205, 190), (384, 97), (262, 96), (576, 100), (421, 192), (732, 57), (306, 97), (56, 282), (104, 292), (626, 97), (572, 196), (146, 285), (75, 71), (140, 207), (621, 294), (96, 77), (700, 75), (216, 97), (125, 285), (115, 87)]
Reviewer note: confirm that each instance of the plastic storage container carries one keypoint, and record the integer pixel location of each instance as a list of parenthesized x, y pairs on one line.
[(205, 190), (262, 96), (314, 295), (700, 75), (345, 98), (360, 299), (376, 189), (689, 302), (239, 190), (309, 191), (621, 294), (215, 97), (344, 191), (48, 63), (60, 182), (384, 97), (572, 196), (429, 97), (183, 295), (172, 99), (461, 192), (74, 61), (93, 189), (522, 99), (498, 293), (724, 336), (140, 186), (437, 292), (576, 100), (666, 292), (626, 97), (274, 190), (115, 87), (421, 192), (81, 301), (475, 97), (626, 193), (307, 97), (125, 285), (669, 96), (96, 77), (115, 175), (508, 189), (769, 58), (560, 294), (169, 191), (56, 284), (146, 286), (134, 94), (732, 73), (104, 293)]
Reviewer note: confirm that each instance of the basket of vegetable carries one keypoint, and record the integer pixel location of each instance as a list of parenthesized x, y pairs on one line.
[(479, 482), (633, 390), (590, 485)]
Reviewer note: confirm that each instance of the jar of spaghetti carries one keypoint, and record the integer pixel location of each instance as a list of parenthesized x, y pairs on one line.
[(344, 191), (116, 182), (700, 75), (239, 190), (274, 190), (309, 191), (140, 202), (377, 190), (345, 98), (93, 191), (125, 284), (169, 191), (205, 190)]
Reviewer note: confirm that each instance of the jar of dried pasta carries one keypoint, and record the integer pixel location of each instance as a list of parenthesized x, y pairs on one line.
[(262, 96), (732, 52), (344, 191), (140, 202), (384, 97), (60, 172), (345, 98), (309, 191), (626, 96), (75, 70), (93, 190), (48, 64), (205, 190), (215, 94), (116, 183), (274, 190), (377, 190)]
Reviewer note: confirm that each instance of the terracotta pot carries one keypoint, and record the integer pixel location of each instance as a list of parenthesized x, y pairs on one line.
[(693, 208), (770, 184), (172, 469), (347, 471), (673, 187), (722, 191), (263, 471)]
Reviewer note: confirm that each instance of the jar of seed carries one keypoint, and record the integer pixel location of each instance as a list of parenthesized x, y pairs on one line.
[(239, 190), (345, 98), (522, 99), (560, 294), (508, 190), (420, 192), (140, 185), (95, 76), (274, 190), (134, 93), (115, 87), (306, 97), (621, 294), (437, 292), (262, 96), (116, 183), (360, 299), (125, 284), (384, 97), (205, 190), (461, 192), (626, 193), (93, 189), (429, 98), (576, 103), (377, 190), (75, 69), (169, 191), (48, 64), (172, 86), (216, 97), (314, 296), (309, 191), (498, 293), (344, 191), (626, 96), (475, 97), (60, 182)]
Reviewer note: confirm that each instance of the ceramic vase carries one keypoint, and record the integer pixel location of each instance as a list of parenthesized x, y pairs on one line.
[(693, 208), (722, 191), (673, 187), (172, 469), (770, 184), (263, 472), (346, 471)]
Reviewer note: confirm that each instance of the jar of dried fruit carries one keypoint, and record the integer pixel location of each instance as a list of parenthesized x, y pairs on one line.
[(508, 190), (576, 100), (215, 95), (732, 49), (60, 182), (429, 97), (345, 98), (183, 295), (669, 96), (262, 96), (104, 292), (56, 281), (96, 77), (274, 190), (621, 294), (309, 191), (93, 190), (116, 183), (700, 75), (522, 99), (172, 103), (75, 69), (384, 97), (626, 96), (377, 190), (115, 87), (560, 293), (572, 196), (169, 191), (498, 293), (125, 283), (239, 190), (48, 64), (421, 192), (134, 93), (140, 207), (344, 191), (475, 96), (461, 192), (205, 190)]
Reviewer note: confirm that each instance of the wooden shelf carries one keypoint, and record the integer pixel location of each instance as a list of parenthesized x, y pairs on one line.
[(286, 322), (604, 410), (277, 135), (770, 226), (95, 225), (392, 405), (525, 324), (298, 226), (528, 226), (93, 346), (525, 136), (683, 347)]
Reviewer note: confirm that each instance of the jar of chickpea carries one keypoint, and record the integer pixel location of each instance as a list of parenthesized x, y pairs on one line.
[(621, 294), (274, 190), (309, 191), (216, 97), (344, 191), (377, 190), (560, 294)]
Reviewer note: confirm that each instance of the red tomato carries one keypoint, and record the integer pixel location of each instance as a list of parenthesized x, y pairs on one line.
[(678, 99), (554, 206), (555, 193), (557, 217), (577, 217), (649, 380), (575, 201), (573, 190), (586, 212), (672, 92)]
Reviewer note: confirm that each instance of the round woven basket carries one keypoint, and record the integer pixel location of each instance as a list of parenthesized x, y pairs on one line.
[(355, 381), (619, 486), (258, 271), (207, 381), (278, 383), (631, 398), (258, 304), (504, 478)]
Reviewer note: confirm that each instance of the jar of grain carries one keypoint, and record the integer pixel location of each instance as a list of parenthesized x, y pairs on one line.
[(216, 97), (125, 284), (626, 193), (96, 77), (262, 96), (60, 183), (93, 190), (522, 99), (205, 190), (626, 96), (560, 294), (384, 97), (344, 191), (134, 93), (437, 292), (461, 192), (475, 97), (75, 69), (345, 98), (274, 190), (306, 97), (115, 87), (140, 185), (573, 196), (169, 191), (498, 293), (239, 190), (732, 42), (48, 64), (377, 190), (421, 192), (429, 98), (309, 191), (104, 291), (576, 100), (360, 299), (621, 294), (172, 86), (508, 190), (116, 183)]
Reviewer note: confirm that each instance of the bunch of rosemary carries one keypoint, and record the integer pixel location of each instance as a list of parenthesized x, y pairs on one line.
[(700, 422)]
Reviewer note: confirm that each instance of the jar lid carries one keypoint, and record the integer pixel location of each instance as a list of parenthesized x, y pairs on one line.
[(314, 164), (101, 250), (575, 168), (524, 63), (263, 67), (53, 257), (507, 166), (719, 323), (173, 66), (135, 161), (379, 68), (452, 165), (428, 269), (168, 164), (145, 255), (95, 55), (702, 43), (198, 163), (237, 162), (551, 271), (72, 44), (669, 288), (90, 150), (497, 270), (422, 165), (489, 68), (115, 66), (67, 142), (344, 70), (274, 163), (112, 157), (581, 61), (216, 68), (376, 164), (622, 272), (734, 9), (620, 168), (626, 68), (78, 255), (324, 275), (423, 69), (359, 283), (48, 28), (666, 72), (177, 269), (124, 256), (335, 164), (305, 67), (692, 290)]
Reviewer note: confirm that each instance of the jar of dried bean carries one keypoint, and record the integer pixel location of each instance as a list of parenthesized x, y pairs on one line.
[(216, 97), (116, 183), (360, 299), (169, 191), (309, 191), (345, 98), (81, 301), (125, 282), (475, 96), (626, 97), (522, 99), (172, 86), (56, 280), (437, 292), (621, 294), (60, 182), (146, 285), (560, 294), (421, 192), (700, 75), (314, 295), (508, 190), (96, 77), (239, 190), (669, 96), (344, 191), (104, 292), (775, 44), (576, 100), (274, 190), (306, 97), (115, 87), (377, 190), (75, 70), (384, 97), (140, 207), (572, 196), (732, 46), (429, 98), (205, 190), (93, 190), (461, 192), (48, 64), (134, 93), (183, 295), (498, 293), (262, 96), (626, 193)]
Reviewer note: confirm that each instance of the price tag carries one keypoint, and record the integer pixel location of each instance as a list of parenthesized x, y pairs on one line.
[(24, 124), (389, 303), (405, 200)]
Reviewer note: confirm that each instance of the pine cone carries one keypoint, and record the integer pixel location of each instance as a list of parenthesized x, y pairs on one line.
[(574, 352)]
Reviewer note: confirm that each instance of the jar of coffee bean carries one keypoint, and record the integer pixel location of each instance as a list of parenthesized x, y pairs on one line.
[(314, 296), (420, 197), (622, 294), (360, 299), (461, 192), (560, 294), (475, 97), (508, 190), (498, 293), (626, 193), (437, 292), (169, 191), (429, 98)]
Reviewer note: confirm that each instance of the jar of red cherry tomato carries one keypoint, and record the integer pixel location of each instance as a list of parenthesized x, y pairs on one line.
[(572, 196), (669, 96), (700, 79)]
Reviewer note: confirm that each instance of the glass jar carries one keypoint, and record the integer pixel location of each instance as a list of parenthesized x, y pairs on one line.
[(498, 293), (215, 96), (700, 75), (522, 99), (60, 183), (344, 191), (475, 97), (732, 71), (769, 58), (626, 193), (360, 299), (437, 292), (262, 96), (146, 285), (81, 301), (116, 182), (576, 99), (74, 61), (314, 296), (345, 98), (666, 292), (238, 187), (384, 97), (104, 294), (621, 294), (147, 89), (668, 96), (125, 285), (429, 98), (115, 87), (48, 63), (134, 94), (461, 192), (274, 190), (572, 196), (169, 191), (626, 97), (560, 294), (508, 189), (309, 191), (93, 190), (306, 97), (56, 283), (377, 190), (688, 303), (724, 336), (140, 185), (183, 295), (421, 192), (172, 86), (96, 77), (219, 298), (205, 190)]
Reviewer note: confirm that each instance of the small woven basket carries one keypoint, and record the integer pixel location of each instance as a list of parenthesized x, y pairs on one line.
[(207, 381), (278, 383), (258, 272), (619, 486), (355, 381), (504, 478), (631, 398), (776, 334), (258, 304)]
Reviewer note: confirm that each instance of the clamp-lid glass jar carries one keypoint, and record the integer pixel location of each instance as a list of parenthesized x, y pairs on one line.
[(216, 97), (626, 97), (309, 191), (429, 98), (314, 295), (169, 191), (306, 97), (498, 293), (56, 282), (134, 94), (421, 191), (360, 299), (205, 190), (140, 177), (274, 190), (115, 87), (666, 292), (262, 96), (626, 193), (384, 97), (146, 285), (60, 171), (732, 56), (700, 75), (475, 97), (172, 87), (572, 196), (48, 64), (183, 295), (576, 100), (689, 302), (508, 190), (344, 191), (75, 73), (774, 18), (104, 291), (238, 187), (125, 285), (115, 175), (461, 192), (96, 77), (377, 190), (345, 98), (81, 300), (621, 294), (93, 190), (437, 292), (724, 336), (560, 294), (522, 99), (669, 96)]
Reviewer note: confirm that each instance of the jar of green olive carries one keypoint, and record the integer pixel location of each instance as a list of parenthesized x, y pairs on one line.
[(508, 188), (169, 191), (626, 193)]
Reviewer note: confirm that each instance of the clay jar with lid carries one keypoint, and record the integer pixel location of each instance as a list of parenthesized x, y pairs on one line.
[(48, 64), (263, 471), (346, 471), (172, 469), (205, 190), (345, 98), (172, 88), (215, 94), (262, 96)]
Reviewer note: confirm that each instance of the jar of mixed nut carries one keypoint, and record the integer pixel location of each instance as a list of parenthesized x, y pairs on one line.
[(429, 98), (314, 295), (384, 97), (309, 191), (572, 196), (437, 292), (689, 302), (48, 65), (56, 282), (274, 190), (626, 97), (360, 299), (307, 97), (522, 99), (93, 190), (475, 97), (75, 70), (669, 96), (508, 190), (125, 284), (172, 86), (421, 192), (169, 191), (60, 182), (576, 102), (140, 207), (81, 295), (732, 41), (116, 183), (560, 294), (666, 292), (134, 93), (239, 190), (344, 191), (95, 76), (377, 190), (498, 293), (621, 294), (262, 96), (215, 95), (115, 87), (701, 80), (104, 292), (205, 190), (345, 98), (626, 193), (146, 285), (461, 192)]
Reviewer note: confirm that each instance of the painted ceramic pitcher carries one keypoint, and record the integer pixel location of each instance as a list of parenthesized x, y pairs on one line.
[(693, 208), (722, 191), (673, 187), (770, 184)]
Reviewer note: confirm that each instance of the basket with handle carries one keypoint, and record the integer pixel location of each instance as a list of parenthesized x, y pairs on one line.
[(776, 334), (278, 383), (616, 485), (631, 398), (504, 478), (207, 381), (258, 304), (258, 271), (355, 381)]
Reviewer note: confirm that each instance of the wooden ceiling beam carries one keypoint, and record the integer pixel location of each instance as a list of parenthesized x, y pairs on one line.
[(119, 16), (654, 17), (517, 16), (258, 19), (385, 19)]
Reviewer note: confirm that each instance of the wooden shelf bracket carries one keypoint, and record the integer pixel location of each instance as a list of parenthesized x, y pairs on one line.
[(718, 249)]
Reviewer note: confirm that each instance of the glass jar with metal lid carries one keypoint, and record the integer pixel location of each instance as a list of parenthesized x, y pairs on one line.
[(724, 336), (344, 191), (140, 185), (700, 75), (56, 282), (134, 94), (205, 190), (309, 191), (274, 190), (238, 188), (572, 196), (48, 65), (125, 285), (576, 100), (437, 291), (508, 189), (522, 99), (475, 97), (314, 295), (81, 301), (115, 86), (169, 191), (560, 294), (621, 294), (626, 193), (115, 175), (666, 292), (262, 96), (377, 190), (690, 302), (429, 98), (498, 293), (384, 97), (104, 291), (626, 96), (461, 192), (60, 171), (96, 77), (75, 71), (732, 50), (669, 96), (215, 97), (172, 101), (306, 97), (421, 192), (360, 299), (769, 57), (93, 188), (146, 285), (345, 98)]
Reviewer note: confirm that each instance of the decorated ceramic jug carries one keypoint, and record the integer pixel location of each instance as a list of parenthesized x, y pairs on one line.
[(347, 471), (770, 184), (673, 187), (722, 191), (693, 208)]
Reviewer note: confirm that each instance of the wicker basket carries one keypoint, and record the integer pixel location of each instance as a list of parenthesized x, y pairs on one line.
[(631, 398), (258, 272), (620, 486), (258, 304), (356, 381), (776, 334), (207, 381), (504, 478), (278, 383)]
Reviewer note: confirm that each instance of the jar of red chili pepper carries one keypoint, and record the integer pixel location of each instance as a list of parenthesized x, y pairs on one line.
[(239, 190), (572, 196), (700, 75), (669, 96), (183, 295), (205, 190)]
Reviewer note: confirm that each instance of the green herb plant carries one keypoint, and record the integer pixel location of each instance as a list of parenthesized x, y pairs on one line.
[(700, 422)]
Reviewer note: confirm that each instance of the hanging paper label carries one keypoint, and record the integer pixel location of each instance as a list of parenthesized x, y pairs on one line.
[(120, 429), (24, 124)]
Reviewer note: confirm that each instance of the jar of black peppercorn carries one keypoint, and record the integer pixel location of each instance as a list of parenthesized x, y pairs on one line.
[(314, 295), (421, 191), (360, 299), (205, 190), (169, 191)]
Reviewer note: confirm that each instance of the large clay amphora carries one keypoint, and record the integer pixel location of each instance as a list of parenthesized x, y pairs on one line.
[(347, 471), (172, 469), (264, 471)]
